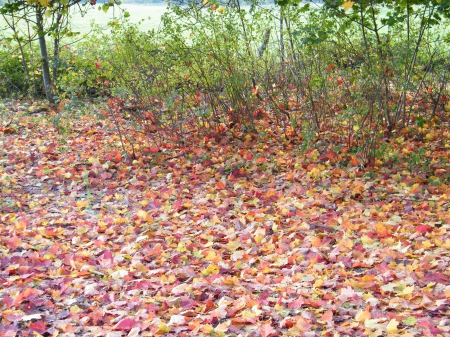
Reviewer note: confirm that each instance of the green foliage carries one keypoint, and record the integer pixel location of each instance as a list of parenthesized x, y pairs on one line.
[(19, 75), (352, 73), (83, 70)]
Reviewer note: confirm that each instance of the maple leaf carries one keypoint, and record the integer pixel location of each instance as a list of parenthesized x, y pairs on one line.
[(362, 316), (348, 4), (38, 326), (392, 326), (125, 324), (266, 330), (210, 270)]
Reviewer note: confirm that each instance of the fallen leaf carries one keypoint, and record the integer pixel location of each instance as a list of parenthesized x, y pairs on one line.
[(125, 324), (392, 326), (266, 330)]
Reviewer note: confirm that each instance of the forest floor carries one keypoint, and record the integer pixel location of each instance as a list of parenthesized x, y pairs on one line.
[(232, 238)]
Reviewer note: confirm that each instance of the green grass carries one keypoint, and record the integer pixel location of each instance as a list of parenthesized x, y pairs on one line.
[(150, 14)]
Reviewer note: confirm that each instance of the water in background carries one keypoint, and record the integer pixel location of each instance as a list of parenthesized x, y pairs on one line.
[(151, 14)]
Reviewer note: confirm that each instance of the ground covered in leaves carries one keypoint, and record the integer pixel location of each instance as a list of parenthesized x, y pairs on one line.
[(234, 238)]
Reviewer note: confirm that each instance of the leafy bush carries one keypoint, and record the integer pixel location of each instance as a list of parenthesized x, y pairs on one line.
[(84, 70), (19, 75), (328, 75)]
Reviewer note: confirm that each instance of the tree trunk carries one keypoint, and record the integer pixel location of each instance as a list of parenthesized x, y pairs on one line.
[(44, 55)]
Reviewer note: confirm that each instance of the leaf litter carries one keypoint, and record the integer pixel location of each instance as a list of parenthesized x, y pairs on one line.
[(234, 238)]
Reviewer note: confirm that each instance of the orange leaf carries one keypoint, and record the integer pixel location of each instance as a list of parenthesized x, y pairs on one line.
[(271, 192), (261, 160), (347, 243), (290, 175), (315, 241), (361, 316), (332, 156), (354, 160), (348, 4), (381, 230), (221, 185), (117, 158)]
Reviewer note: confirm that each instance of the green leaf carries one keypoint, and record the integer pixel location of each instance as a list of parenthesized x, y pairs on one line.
[(410, 321)]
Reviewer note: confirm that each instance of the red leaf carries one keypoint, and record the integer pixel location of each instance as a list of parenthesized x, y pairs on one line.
[(297, 303), (154, 149), (38, 326), (435, 277), (125, 324), (423, 229)]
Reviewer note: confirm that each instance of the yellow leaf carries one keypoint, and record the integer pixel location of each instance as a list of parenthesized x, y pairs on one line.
[(75, 309), (361, 316), (348, 4), (181, 248), (81, 204), (163, 328), (278, 307), (407, 291), (208, 328), (212, 269), (366, 240), (392, 326), (319, 283), (430, 286), (427, 244), (210, 256), (233, 245), (142, 214), (259, 238), (248, 314)]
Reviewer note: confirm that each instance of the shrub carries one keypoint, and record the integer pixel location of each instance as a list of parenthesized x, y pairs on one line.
[(19, 75)]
